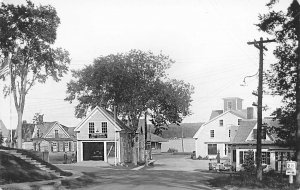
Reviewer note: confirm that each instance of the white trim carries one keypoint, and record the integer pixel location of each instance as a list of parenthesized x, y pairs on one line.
[(68, 136), (102, 111)]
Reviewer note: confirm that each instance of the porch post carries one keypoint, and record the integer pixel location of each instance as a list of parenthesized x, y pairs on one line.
[(105, 152)]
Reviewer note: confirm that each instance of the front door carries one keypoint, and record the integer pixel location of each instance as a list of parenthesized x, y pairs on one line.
[(93, 151)]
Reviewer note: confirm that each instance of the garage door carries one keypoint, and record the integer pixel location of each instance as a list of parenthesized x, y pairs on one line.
[(93, 151)]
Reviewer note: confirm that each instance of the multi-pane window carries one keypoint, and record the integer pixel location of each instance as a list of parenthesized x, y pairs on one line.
[(54, 147), (221, 122), (67, 146), (239, 121), (104, 127), (212, 149), (91, 127), (265, 158), (212, 133), (229, 133)]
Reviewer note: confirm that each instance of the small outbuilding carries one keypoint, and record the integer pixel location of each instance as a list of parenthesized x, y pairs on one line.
[(100, 137)]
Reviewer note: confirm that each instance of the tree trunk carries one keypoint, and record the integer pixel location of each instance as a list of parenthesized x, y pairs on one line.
[(19, 129), (298, 113)]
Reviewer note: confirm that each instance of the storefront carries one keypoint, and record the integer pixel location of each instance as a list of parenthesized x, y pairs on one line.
[(100, 138)]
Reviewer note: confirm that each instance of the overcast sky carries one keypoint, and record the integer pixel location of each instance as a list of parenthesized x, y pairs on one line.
[(207, 39)]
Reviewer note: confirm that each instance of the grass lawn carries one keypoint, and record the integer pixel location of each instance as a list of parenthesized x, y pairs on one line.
[(16, 170), (243, 180)]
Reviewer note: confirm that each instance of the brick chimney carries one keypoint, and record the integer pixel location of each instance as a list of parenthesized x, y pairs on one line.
[(250, 113)]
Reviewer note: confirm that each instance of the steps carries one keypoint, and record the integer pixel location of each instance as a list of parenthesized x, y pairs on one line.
[(33, 162)]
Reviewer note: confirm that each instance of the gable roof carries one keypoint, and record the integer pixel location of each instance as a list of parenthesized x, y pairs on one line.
[(245, 129), (109, 115), (215, 113), (238, 113), (3, 129), (45, 127), (175, 131)]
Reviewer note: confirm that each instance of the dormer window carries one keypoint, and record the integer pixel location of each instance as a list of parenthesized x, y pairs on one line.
[(221, 122), (56, 133), (263, 133)]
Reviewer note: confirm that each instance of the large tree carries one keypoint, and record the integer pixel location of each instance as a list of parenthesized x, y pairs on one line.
[(284, 75), (27, 35), (136, 83)]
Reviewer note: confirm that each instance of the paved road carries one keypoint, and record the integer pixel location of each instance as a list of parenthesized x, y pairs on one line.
[(169, 172)]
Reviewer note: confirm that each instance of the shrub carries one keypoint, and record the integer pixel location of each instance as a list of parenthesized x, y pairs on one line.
[(248, 164)]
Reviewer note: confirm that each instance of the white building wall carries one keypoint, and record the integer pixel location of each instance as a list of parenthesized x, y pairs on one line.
[(97, 118), (221, 134)]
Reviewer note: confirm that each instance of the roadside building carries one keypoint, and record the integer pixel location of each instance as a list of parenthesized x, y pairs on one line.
[(100, 136), (273, 156), (214, 135), (180, 138), (52, 137)]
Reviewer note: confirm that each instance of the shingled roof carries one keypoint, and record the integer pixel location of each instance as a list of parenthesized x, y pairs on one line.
[(245, 129)]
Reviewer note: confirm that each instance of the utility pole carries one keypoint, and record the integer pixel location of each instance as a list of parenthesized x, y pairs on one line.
[(259, 45)]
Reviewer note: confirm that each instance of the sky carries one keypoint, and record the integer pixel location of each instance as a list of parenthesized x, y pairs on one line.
[(206, 38)]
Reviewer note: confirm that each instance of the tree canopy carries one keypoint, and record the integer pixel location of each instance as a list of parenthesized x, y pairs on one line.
[(136, 83), (27, 35), (282, 76)]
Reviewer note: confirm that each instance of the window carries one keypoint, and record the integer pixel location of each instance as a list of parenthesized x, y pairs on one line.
[(54, 147), (234, 155), (229, 131), (91, 127), (67, 146), (212, 133), (241, 157), (265, 158), (104, 127), (239, 121), (221, 122), (212, 149), (263, 133), (229, 105), (56, 133), (225, 152), (254, 134)]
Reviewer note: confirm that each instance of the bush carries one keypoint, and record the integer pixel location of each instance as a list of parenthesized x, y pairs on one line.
[(248, 164)]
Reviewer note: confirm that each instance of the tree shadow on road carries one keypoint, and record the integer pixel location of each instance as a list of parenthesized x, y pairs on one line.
[(161, 178)]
